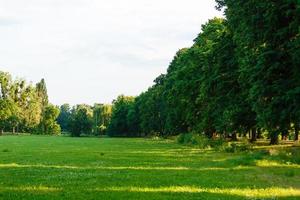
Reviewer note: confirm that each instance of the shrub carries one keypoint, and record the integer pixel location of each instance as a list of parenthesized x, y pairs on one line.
[(288, 156), (199, 140), (180, 138), (235, 147), (219, 144)]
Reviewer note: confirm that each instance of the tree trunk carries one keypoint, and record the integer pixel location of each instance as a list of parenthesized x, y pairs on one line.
[(259, 134), (14, 130), (224, 135), (296, 132), (1, 132), (284, 135), (274, 138), (234, 136), (253, 135), (209, 134)]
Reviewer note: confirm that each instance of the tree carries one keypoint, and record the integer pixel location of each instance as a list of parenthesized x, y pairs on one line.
[(266, 33), (14, 119), (5, 84), (119, 126), (49, 120), (23, 106), (101, 118), (81, 120), (64, 117), (42, 95), (5, 113), (133, 120)]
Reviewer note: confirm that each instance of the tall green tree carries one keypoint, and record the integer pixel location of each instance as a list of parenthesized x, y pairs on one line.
[(81, 120), (6, 107), (49, 120), (23, 105), (42, 95), (266, 33), (64, 117), (119, 126), (101, 118)]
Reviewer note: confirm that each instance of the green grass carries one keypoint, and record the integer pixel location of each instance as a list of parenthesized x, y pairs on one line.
[(41, 167)]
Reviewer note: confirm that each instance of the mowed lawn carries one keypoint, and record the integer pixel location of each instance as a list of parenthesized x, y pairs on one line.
[(44, 167)]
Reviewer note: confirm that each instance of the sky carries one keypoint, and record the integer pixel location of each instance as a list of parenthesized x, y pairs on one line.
[(91, 51)]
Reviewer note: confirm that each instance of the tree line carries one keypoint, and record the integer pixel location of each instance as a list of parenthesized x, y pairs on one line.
[(84, 119), (24, 107), (241, 75)]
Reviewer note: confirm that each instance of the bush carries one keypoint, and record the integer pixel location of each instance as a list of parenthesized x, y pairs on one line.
[(199, 140), (288, 156), (55, 129), (180, 138), (235, 147), (219, 144)]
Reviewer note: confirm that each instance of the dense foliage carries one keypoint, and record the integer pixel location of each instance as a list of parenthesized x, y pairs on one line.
[(267, 35), (85, 119), (123, 116), (240, 76), (25, 107)]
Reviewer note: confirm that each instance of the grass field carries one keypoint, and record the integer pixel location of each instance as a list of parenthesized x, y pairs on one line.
[(41, 167)]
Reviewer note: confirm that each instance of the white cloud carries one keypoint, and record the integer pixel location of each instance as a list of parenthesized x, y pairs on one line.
[(93, 50)]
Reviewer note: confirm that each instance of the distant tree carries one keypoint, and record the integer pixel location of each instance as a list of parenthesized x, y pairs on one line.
[(14, 119), (7, 106), (81, 120), (31, 110), (5, 113), (133, 120), (49, 120), (119, 123), (101, 118), (23, 105), (42, 92), (42, 95), (64, 117), (5, 84), (106, 115)]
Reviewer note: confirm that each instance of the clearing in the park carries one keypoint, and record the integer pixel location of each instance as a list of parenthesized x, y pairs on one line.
[(45, 167)]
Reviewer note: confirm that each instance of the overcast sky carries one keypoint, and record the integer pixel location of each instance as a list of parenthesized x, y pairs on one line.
[(93, 50)]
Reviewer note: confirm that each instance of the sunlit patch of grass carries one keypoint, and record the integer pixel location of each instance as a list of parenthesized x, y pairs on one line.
[(271, 163), (31, 189), (15, 165), (248, 192)]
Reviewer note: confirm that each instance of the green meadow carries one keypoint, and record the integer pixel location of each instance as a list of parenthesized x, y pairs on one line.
[(49, 167)]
